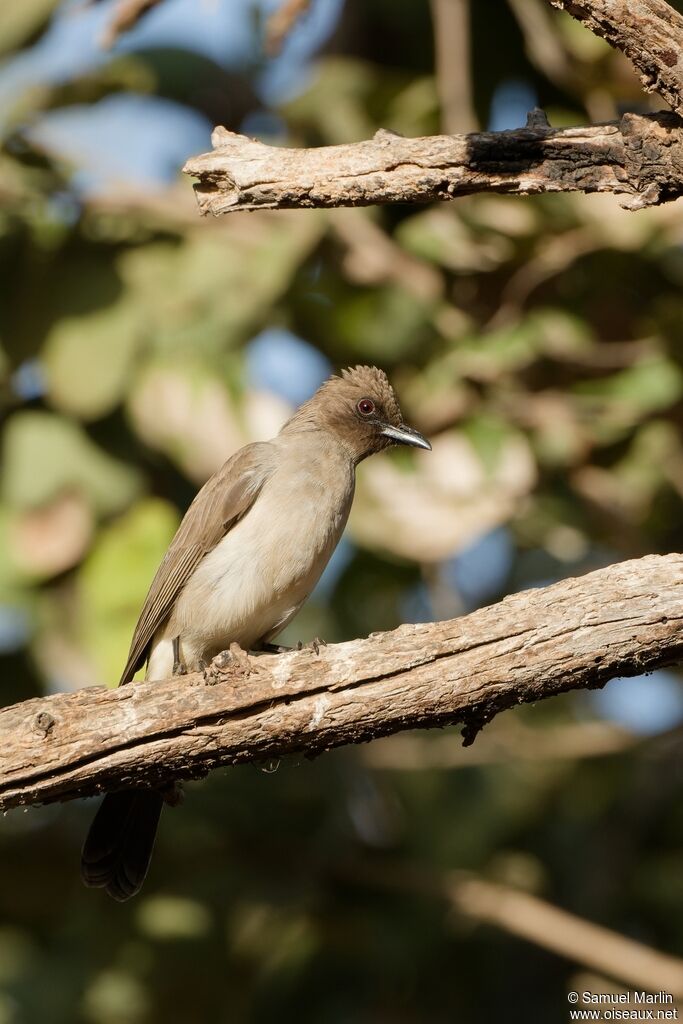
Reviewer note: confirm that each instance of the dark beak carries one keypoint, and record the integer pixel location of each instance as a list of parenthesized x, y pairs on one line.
[(406, 435)]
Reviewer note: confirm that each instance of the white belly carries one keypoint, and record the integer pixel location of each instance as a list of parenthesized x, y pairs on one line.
[(257, 577)]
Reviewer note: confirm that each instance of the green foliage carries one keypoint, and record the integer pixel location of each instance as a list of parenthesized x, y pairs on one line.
[(45, 455), (114, 579)]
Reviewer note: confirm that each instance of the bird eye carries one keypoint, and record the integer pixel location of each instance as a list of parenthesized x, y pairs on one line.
[(366, 407)]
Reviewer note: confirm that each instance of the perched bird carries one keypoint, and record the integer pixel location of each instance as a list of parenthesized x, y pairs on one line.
[(249, 551)]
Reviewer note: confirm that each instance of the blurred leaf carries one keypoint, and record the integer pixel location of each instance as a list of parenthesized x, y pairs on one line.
[(276, 938), (465, 487), (208, 291), (171, 917), (562, 334), (114, 581), (88, 360), (182, 409), (48, 540), (45, 455), (442, 236), (15, 953), (414, 111), (488, 436), (638, 390), (346, 85), (19, 21), (383, 324), (488, 356), (116, 997)]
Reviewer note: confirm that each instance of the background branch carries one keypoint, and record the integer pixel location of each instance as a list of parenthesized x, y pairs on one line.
[(648, 32), (281, 22), (451, 19), (568, 935), (535, 920), (127, 14), (621, 620)]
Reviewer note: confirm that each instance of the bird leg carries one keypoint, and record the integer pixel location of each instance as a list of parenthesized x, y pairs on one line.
[(275, 649), (178, 667)]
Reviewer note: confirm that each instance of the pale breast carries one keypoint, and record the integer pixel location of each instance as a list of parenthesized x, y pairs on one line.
[(266, 566)]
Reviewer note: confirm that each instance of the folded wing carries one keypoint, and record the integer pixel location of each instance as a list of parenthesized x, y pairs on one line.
[(223, 500)]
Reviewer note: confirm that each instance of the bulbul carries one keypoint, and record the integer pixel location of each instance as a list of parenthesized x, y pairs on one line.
[(247, 554)]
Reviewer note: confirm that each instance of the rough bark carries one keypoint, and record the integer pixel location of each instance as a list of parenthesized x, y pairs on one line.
[(648, 32), (622, 620), (640, 157)]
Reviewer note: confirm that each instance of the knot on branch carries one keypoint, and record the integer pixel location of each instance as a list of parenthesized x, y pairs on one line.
[(653, 158), (44, 723), (229, 666)]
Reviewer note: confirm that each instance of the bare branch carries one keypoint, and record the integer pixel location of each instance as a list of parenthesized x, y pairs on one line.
[(566, 934), (127, 14), (528, 917), (281, 22), (451, 20), (618, 621), (639, 157), (648, 32), (543, 42)]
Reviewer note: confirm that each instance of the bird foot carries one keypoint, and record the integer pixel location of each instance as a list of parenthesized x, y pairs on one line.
[(313, 645)]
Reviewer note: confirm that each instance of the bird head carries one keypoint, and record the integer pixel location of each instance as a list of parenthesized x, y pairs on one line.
[(360, 408)]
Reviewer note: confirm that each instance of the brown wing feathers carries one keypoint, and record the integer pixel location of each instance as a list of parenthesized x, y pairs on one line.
[(223, 500)]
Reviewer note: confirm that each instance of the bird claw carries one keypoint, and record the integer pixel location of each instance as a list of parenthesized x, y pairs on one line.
[(313, 645)]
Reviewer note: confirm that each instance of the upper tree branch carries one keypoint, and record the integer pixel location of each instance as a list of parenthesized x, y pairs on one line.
[(640, 157), (581, 632), (648, 32)]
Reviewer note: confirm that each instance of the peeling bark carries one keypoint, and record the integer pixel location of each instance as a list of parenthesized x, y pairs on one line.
[(648, 32), (639, 157), (619, 621)]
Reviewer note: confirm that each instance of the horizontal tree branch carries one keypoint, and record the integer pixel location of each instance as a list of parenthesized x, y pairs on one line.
[(640, 157), (622, 620), (648, 32)]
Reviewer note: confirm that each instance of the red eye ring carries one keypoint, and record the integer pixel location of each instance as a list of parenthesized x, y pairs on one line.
[(366, 407)]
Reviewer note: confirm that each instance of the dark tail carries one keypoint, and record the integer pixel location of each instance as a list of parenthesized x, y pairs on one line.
[(118, 847)]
